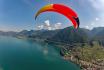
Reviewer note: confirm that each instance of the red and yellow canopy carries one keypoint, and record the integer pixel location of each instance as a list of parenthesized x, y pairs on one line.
[(62, 9)]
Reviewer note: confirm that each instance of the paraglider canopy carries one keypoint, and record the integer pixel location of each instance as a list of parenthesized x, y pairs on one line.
[(62, 9)]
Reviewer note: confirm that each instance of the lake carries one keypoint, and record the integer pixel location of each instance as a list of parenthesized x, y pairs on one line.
[(18, 54)]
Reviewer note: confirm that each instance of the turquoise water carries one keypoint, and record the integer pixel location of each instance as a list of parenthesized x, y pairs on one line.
[(17, 54)]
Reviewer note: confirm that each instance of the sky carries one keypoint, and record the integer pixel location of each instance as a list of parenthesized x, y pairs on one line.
[(18, 15)]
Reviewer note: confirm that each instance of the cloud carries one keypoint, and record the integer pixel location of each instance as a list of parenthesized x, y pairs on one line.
[(47, 23), (40, 27), (92, 24), (87, 27), (49, 28), (97, 19), (57, 25), (46, 26), (97, 4), (97, 22)]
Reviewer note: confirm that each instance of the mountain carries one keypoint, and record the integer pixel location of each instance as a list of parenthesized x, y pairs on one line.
[(96, 31), (99, 36), (70, 35), (10, 33), (40, 34), (66, 35)]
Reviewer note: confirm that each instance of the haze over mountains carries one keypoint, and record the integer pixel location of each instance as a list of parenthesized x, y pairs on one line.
[(66, 35)]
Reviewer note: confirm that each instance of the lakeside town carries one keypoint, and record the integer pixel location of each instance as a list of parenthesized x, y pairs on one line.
[(88, 58)]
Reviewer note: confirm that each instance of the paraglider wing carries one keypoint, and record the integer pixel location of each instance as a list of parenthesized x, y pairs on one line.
[(62, 9)]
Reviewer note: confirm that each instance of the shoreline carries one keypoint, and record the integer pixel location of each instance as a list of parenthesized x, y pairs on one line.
[(84, 65)]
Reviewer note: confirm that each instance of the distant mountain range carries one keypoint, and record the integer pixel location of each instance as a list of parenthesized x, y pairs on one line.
[(99, 36), (70, 35), (9, 33), (66, 35)]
